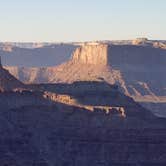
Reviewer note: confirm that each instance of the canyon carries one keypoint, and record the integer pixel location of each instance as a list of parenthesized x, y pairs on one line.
[(85, 110), (137, 67)]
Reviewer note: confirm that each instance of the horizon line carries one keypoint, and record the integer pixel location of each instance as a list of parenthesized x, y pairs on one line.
[(83, 41)]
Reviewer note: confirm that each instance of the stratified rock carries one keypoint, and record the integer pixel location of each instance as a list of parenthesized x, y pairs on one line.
[(138, 70), (37, 132), (91, 53)]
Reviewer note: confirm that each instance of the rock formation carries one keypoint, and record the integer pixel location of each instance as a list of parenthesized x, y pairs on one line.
[(7, 81), (91, 53), (37, 131), (29, 57), (82, 123), (139, 41), (138, 70), (159, 45)]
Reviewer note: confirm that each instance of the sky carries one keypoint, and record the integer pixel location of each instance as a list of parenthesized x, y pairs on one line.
[(81, 20)]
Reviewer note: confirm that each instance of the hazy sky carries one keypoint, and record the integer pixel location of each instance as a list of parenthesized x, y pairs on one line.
[(81, 20)]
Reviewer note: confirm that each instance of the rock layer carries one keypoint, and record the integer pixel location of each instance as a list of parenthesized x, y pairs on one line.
[(91, 53), (35, 131)]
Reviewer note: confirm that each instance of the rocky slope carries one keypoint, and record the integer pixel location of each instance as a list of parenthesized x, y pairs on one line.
[(36, 130), (82, 123), (7, 81), (138, 67)]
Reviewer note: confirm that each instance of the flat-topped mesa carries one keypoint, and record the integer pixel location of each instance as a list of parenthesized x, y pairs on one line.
[(91, 53)]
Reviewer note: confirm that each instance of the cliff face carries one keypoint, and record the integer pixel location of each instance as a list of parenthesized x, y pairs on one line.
[(145, 57), (114, 55), (139, 70), (92, 53), (49, 55)]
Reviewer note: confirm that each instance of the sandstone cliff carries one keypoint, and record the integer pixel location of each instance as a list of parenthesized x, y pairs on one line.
[(91, 53)]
